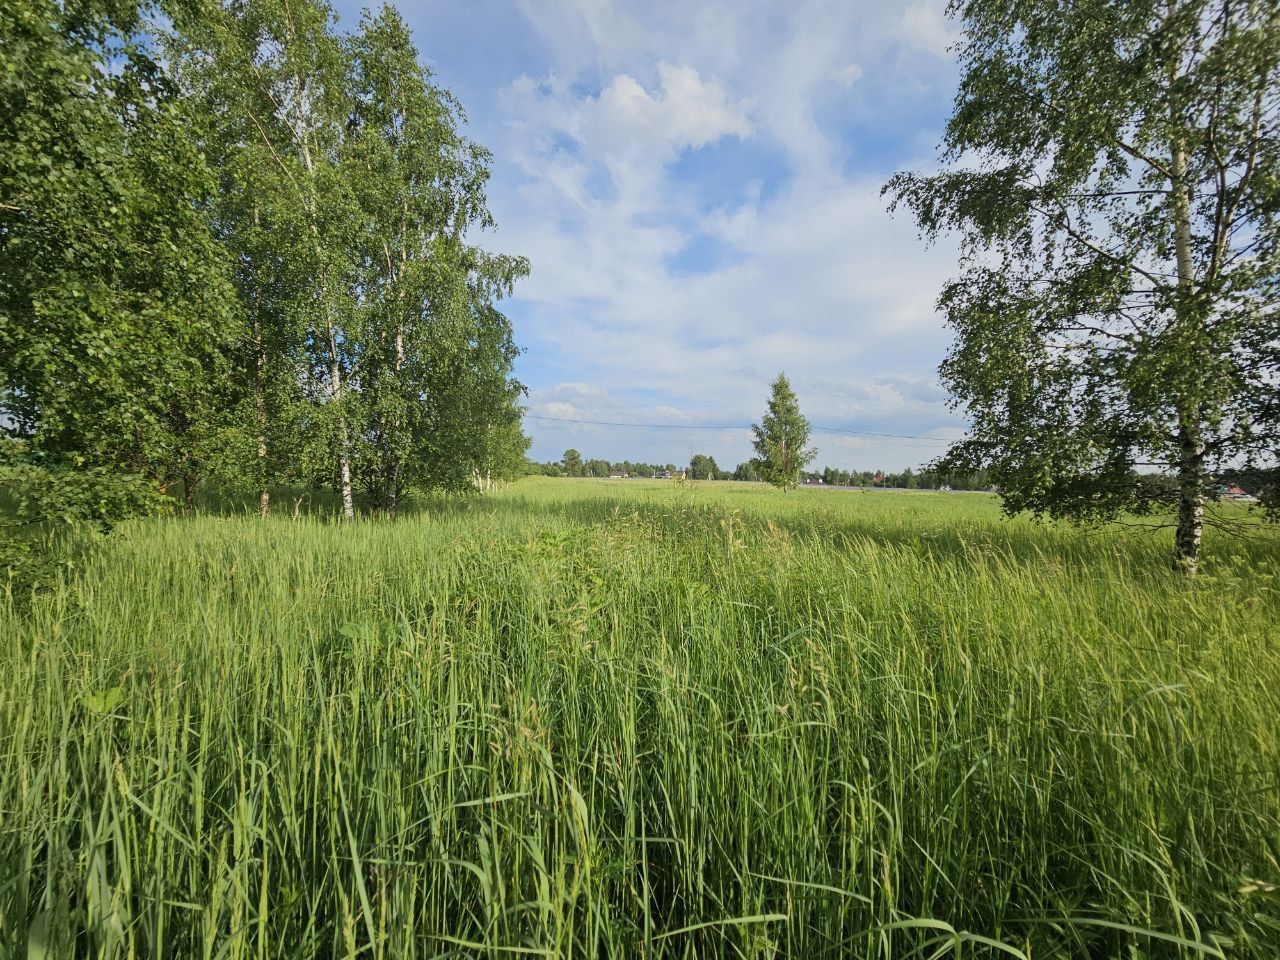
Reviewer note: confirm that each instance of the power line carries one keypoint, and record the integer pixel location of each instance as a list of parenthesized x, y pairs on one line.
[(651, 426), (730, 426), (872, 433)]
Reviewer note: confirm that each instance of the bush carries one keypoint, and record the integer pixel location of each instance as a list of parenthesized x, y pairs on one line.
[(39, 490)]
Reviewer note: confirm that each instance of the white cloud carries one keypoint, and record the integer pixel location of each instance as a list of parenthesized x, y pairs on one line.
[(811, 274), (687, 111), (925, 26), (555, 408), (570, 144), (849, 74)]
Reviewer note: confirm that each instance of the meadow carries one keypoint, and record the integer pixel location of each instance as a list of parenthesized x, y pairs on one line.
[(635, 719)]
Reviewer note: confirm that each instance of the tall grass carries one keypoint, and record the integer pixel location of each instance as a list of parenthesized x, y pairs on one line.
[(617, 720)]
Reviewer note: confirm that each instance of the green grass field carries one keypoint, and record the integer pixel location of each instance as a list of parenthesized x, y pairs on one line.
[(633, 719)]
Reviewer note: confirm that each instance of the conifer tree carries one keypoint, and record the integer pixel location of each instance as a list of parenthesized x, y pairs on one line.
[(780, 438)]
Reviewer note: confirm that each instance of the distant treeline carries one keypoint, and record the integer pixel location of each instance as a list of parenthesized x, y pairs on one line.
[(925, 478), (704, 467), (928, 477)]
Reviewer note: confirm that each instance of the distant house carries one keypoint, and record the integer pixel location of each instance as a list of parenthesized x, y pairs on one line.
[(662, 475), (1234, 492), (619, 475)]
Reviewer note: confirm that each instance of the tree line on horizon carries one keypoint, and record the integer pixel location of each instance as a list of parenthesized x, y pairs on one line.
[(782, 457), (704, 467), (237, 247)]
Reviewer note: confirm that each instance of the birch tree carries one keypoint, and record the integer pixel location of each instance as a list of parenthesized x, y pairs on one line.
[(1112, 172), (115, 319), (265, 433), (350, 199), (276, 75), (435, 355)]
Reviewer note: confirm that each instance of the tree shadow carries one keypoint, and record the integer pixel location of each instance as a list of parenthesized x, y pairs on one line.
[(679, 514), (1143, 546)]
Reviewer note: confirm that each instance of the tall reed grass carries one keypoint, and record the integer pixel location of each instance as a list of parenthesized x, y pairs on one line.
[(587, 719)]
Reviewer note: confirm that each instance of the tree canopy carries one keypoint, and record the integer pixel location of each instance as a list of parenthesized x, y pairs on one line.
[(703, 467), (117, 319), (1112, 172), (238, 246)]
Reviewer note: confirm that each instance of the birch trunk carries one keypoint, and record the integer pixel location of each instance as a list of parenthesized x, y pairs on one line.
[(335, 366), (344, 437), (393, 471), (1186, 541), (259, 401), (1191, 472), (264, 496)]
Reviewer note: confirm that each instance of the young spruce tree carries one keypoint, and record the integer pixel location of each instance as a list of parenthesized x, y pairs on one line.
[(780, 438)]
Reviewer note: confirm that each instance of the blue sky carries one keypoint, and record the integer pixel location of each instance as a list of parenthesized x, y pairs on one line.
[(697, 185)]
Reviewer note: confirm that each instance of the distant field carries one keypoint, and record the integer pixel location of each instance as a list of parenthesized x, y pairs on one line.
[(641, 719)]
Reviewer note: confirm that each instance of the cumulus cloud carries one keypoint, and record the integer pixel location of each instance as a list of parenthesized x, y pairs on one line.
[(849, 74), (572, 145), (686, 111), (925, 26), (698, 187)]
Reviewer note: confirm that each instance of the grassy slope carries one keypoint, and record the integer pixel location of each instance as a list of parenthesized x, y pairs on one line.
[(605, 718)]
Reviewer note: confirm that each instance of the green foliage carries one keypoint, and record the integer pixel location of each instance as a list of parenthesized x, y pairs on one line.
[(780, 438), (51, 514), (236, 246), (1111, 171), (95, 495), (703, 467), (348, 200), (624, 719), (440, 407), (571, 463), (599, 468), (114, 311), (503, 456)]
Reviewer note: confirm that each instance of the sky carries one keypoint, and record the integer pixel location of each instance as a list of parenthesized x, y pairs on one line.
[(697, 186)]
